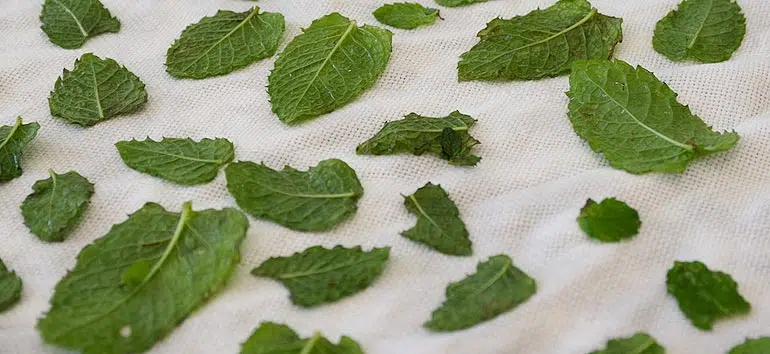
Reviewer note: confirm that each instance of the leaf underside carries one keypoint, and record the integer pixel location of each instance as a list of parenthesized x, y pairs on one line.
[(639, 343), (406, 15), (10, 287), (438, 225), (69, 23), (753, 346), (274, 338), (13, 140), (610, 220), (457, 3), (56, 205)]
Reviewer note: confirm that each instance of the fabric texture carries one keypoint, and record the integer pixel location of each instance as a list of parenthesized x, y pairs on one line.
[(521, 200)]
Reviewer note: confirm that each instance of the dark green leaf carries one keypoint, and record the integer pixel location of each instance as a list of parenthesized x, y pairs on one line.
[(438, 224), (639, 343), (456, 3), (753, 346), (13, 140), (56, 205), (10, 287), (610, 220), (273, 338), (406, 15), (68, 23)]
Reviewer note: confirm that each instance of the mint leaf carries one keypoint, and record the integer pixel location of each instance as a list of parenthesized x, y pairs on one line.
[(274, 338), (326, 67), (68, 23), (192, 255), (610, 220), (753, 346), (456, 3), (418, 135), (705, 296), (223, 43), (181, 161), (96, 90), (10, 287), (497, 287), (438, 224), (639, 343), (314, 200), (708, 31), (406, 15), (634, 119), (13, 140), (542, 43), (318, 275), (56, 205)]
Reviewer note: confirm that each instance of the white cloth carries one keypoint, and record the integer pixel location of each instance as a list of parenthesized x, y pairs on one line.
[(521, 200)]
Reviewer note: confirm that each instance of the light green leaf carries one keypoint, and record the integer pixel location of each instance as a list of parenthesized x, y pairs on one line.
[(56, 205), (273, 338), (326, 67), (543, 43), (96, 90), (406, 15), (438, 221), (13, 140), (224, 43), (418, 135), (319, 275), (314, 200), (639, 343), (10, 287), (610, 220), (456, 3), (753, 346), (94, 309), (181, 161), (497, 287), (708, 31), (69, 23), (634, 119), (705, 296)]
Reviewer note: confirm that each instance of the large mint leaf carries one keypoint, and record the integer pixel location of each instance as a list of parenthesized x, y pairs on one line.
[(497, 287), (753, 346), (327, 66), (182, 161), (610, 220), (418, 135), (274, 338), (705, 296), (634, 119), (319, 275), (224, 43), (69, 23), (708, 31), (639, 343), (10, 287), (132, 286), (314, 200), (406, 15), (543, 43), (13, 140), (96, 90), (456, 3), (56, 205), (438, 221)]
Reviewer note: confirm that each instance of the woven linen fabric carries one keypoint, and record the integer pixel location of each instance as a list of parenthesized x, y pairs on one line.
[(521, 200)]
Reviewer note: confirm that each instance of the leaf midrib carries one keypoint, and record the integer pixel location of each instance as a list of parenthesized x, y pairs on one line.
[(54, 183), (96, 92), (700, 27), (308, 273), (309, 196), (254, 12), (644, 346), (181, 157), (494, 279), (11, 133), (423, 213), (77, 21), (308, 347)]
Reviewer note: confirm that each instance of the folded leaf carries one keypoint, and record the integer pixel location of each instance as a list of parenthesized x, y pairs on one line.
[(639, 343), (273, 338), (10, 287), (438, 224), (634, 119), (224, 43), (498, 286), (456, 3), (314, 200), (182, 161), (406, 15), (13, 140), (96, 310), (319, 275), (708, 31), (543, 43), (326, 67), (610, 220), (56, 205), (753, 346), (68, 23), (96, 90)]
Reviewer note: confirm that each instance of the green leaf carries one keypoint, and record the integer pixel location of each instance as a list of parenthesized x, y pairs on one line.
[(705, 296), (96, 90), (639, 343), (456, 3), (634, 119), (13, 140), (438, 224), (418, 135), (326, 67), (708, 31), (221, 44), (753, 346), (96, 310), (319, 275), (56, 205), (314, 200), (497, 287), (610, 220), (543, 43), (181, 161), (10, 287), (406, 15), (68, 23), (273, 338)]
